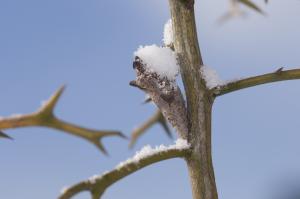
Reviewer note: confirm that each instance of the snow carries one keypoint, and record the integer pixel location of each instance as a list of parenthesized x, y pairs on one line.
[(211, 77), (94, 178), (146, 151), (64, 190), (168, 33), (160, 60)]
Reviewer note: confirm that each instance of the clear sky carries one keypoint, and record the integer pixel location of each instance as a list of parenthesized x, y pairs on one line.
[(88, 46)]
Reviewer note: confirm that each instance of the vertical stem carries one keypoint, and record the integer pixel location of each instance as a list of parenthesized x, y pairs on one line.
[(199, 100), (200, 164)]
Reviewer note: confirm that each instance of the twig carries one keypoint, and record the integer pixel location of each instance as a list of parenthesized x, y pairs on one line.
[(278, 75), (165, 94), (139, 131), (98, 184), (45, 117)]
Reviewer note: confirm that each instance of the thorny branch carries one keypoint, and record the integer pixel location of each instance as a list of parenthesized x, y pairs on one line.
[(157, 117), (97, 185), (45, 117), (278, 75)]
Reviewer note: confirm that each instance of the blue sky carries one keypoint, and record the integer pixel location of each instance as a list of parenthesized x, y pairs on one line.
[(88, 46)]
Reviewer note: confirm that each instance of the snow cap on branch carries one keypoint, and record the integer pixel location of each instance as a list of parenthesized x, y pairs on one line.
[(168, 33), (180, 144), (159, 60), (211, 77)]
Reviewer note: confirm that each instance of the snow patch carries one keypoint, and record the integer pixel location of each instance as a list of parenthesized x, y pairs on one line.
[(93, 179), (146, 151), (160, 60), (211, 77), (168, 33), (64, 190)]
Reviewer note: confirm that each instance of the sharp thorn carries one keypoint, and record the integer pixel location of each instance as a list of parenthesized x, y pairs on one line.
[(279, 70), (3, 135), (134, 84), (100, 147), (165, 126), (147, 100)]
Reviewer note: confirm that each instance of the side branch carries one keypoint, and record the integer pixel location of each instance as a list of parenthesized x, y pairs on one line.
[(278, 75), (147, 156), (45, 117), (157, 117), (164, 93)]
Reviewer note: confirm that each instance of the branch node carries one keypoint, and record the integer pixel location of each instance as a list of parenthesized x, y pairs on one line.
[(45, 117)]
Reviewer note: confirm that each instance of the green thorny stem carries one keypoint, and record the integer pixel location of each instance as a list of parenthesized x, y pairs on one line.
[(199, 100), (45, 117)]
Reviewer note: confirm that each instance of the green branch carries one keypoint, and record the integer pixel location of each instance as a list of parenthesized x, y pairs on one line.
[(278, 75), (157, 117), (45, 117), (97, 185)]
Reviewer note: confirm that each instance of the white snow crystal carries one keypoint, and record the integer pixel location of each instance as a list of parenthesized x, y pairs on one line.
[(181, 144), (94, 178), (211, 77), (160, 60), (168, 33), (147, 150)]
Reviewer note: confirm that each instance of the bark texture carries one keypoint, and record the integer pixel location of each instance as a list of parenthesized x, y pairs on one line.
[(165, 94), (199, 100)]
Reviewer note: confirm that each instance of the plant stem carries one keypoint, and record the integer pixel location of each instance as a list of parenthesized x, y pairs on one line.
[(199, 100)]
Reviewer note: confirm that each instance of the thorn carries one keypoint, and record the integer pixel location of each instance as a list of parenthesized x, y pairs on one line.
[(96, 139), (50, 104), (101, 148), (3, 135), (165, 126), (134, 84), (122, 135), (279, 70), (57, 95), (131, 143), (147, 100), (163, 122), (251, 5)]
